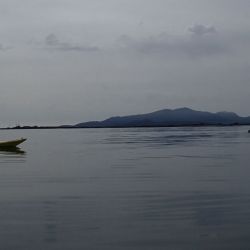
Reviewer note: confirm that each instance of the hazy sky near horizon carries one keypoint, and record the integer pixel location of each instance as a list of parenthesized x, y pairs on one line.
[(69, 61)]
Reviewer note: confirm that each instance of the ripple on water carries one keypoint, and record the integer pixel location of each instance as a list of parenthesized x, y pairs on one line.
[(12, 155)]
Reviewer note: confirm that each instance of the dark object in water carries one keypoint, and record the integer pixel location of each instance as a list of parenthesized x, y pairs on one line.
[(11, 144), (11, 151), (249, 131)]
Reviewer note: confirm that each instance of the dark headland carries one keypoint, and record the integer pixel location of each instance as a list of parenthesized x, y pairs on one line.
[(161, 118)]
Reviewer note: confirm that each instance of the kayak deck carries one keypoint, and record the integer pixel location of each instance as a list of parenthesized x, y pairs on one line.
[(13, 143)]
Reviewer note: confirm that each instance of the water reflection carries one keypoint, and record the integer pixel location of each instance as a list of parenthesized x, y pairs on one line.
[(11, 150), (50, 221), (10, 155)]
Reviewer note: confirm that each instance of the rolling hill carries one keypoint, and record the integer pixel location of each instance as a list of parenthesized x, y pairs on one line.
[(168, 117)]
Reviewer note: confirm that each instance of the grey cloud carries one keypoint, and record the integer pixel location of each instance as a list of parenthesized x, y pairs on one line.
[(4, 48), (201, 30), (53, 43), (51, 40), (200, 41)]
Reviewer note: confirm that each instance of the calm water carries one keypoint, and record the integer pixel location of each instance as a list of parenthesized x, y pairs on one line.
[(165, 188)]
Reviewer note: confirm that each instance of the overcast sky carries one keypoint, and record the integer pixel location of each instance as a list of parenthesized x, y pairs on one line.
[(69, 61)]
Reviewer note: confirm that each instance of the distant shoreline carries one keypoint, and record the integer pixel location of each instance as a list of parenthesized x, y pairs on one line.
[(74, 127), (165, 118)]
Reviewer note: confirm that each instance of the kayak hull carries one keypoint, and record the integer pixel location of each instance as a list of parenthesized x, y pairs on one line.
[(11, 144)]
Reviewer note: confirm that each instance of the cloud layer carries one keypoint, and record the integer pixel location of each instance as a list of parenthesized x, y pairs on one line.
[(53, 43), (198, 42), (4, 48), (72, 61)]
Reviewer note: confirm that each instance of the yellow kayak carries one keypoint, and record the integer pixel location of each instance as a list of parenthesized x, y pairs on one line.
[(14, 143)]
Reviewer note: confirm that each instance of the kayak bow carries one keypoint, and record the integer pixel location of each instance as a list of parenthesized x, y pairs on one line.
[(14, 143)]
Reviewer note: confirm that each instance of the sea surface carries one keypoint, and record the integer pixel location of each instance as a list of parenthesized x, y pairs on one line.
[(136, 189)]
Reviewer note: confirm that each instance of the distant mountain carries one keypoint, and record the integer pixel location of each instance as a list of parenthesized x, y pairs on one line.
[(168, 117)]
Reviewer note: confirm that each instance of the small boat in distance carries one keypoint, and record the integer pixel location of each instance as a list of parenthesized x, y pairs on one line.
[(11, 144)]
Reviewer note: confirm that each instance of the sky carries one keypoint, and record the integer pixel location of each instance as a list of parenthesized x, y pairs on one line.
[(70, 61)]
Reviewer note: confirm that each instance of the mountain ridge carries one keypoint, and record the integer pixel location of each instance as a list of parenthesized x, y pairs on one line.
[(169, 117)]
